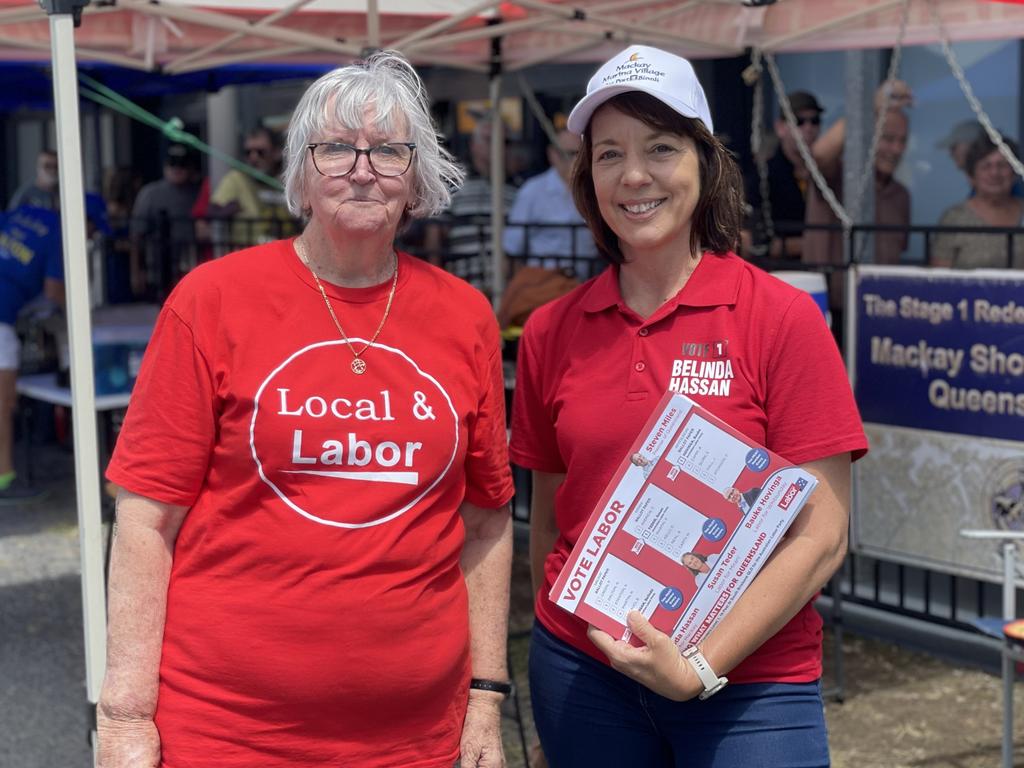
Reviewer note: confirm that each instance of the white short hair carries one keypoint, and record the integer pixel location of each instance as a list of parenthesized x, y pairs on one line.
[(387, 82)]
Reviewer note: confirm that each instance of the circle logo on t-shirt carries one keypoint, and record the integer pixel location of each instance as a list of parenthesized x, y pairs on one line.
[(350, 450)]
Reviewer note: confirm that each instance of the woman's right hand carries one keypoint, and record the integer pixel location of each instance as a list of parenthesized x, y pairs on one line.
[(127, 742)]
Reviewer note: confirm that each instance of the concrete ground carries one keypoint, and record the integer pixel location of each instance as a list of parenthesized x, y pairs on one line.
[(44, 716), (42, 669), (903, 709)]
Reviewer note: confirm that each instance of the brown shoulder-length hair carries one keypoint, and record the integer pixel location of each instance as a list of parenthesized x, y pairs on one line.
[(719, 212), (981, 148)]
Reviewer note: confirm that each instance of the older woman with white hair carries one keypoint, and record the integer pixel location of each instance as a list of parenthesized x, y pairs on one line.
[(312, 553)]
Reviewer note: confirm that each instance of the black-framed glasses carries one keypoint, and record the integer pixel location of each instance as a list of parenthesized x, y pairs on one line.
[(812, 119), (335, 159)]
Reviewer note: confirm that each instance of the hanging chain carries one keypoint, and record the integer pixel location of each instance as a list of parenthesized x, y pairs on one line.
[(968, 92), (754, 72), (801, 145), (812, 167), (868, 173)]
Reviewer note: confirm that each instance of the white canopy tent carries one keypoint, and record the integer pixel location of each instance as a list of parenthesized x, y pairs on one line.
[(487, 36), (177, 36)]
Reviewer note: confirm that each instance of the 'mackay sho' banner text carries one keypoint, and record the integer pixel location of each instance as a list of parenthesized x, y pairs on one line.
[(939, 376)]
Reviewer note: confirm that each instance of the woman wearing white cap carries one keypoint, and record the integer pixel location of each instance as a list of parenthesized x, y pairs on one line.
[(663, 199)]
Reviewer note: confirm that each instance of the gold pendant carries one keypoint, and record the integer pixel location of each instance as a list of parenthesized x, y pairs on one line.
[(358, 366)]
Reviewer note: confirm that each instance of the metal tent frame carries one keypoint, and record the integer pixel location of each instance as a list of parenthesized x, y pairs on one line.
[(485, 36)]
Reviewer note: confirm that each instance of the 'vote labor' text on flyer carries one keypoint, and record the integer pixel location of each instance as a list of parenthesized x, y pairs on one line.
[(689, 518)]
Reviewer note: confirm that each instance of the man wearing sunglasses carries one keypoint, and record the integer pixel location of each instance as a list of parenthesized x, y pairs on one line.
[(257, 210), (787, 182), (161, 223)]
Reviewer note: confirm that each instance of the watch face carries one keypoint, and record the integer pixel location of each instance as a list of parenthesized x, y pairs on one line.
[(707, 693)]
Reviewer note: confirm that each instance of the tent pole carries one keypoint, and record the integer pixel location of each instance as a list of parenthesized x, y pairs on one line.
[(236, 24), (863, 74), (9, 41), (779, 43), (224, 42), (497, 175), (402, 43), (1009, 665), (372, 24), (76, 279)]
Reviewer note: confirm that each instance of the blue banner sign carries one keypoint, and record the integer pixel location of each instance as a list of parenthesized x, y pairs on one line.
[(941, 350)]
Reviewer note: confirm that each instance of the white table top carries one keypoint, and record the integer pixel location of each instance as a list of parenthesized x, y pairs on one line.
[(43, 387)]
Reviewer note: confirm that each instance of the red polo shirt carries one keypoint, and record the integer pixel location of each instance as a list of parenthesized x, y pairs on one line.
[(751, 349)]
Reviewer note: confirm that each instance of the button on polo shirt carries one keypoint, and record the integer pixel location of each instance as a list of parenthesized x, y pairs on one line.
[(655, 341), (749, 348)]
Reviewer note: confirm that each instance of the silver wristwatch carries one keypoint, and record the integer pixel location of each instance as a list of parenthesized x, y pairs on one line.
[(713, 683)]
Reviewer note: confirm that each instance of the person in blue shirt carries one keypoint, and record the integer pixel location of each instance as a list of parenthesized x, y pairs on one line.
[(41, 192), (30, 264), (546, 199)]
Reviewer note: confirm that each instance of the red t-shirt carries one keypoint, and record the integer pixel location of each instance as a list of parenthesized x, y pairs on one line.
[(316, 613), (751, 349)]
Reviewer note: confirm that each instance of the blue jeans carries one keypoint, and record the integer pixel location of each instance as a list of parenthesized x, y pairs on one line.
[(590, 716)]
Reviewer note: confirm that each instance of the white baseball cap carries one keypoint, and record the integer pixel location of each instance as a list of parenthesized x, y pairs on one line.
[(665, 76)]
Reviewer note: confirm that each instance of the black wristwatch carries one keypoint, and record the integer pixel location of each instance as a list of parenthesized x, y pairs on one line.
[(494, 686)]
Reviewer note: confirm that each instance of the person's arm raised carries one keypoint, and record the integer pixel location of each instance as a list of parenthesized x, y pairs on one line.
[(827, 151)]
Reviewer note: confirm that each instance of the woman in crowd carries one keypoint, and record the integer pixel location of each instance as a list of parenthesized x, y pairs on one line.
[(663, 199), (992, 205), (312, 554)]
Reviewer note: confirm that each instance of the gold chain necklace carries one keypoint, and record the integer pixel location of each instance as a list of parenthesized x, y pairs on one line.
[(358, 364)]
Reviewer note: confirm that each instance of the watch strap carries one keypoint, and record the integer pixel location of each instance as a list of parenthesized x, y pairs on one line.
[(495, 686), (712, 681)]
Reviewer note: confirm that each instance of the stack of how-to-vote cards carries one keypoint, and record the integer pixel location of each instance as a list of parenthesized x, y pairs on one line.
[(690, 516)]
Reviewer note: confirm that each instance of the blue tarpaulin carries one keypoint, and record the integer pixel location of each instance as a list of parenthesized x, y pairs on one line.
[(28, 85)]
